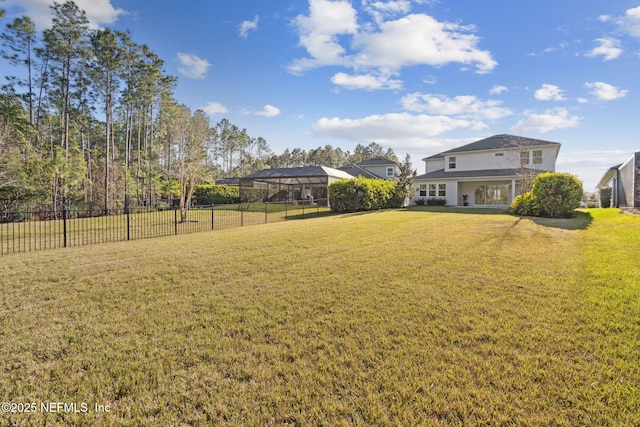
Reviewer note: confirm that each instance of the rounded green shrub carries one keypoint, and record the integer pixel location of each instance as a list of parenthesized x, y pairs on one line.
[(361, 194), (207, 194), (525, 205), (557, 194)]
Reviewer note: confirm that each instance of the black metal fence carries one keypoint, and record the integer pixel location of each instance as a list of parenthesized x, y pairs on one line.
[(38, 229)]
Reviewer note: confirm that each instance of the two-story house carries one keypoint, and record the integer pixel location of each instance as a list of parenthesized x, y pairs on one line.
[(489, 172), (376, 167)]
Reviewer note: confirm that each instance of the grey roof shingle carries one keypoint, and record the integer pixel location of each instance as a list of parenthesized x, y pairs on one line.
[(377, 161), (496, 142), (356, 170), (488, 173)]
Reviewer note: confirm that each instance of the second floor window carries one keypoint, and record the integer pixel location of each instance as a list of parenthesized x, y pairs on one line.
[(524, 157), (537, 157), (452, 162), (390, 172)]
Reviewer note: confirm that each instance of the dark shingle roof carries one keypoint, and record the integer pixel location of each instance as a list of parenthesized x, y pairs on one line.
[(498, 142), (377, 161), (356, 170), (493, 173), (495, 142)]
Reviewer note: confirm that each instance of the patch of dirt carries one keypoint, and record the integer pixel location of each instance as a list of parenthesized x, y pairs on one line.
[(631, 211)]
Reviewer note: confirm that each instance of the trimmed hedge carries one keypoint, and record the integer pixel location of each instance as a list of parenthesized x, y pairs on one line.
[(553, 195), (361, 194), (207, 194)]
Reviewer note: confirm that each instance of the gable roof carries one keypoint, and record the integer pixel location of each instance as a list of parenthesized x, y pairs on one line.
[(377, 161), (356, 170), (496, 142)]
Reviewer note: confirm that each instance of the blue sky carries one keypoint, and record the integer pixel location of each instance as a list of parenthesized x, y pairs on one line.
[(419, 76)]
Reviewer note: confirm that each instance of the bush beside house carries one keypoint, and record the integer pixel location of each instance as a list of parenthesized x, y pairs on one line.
[(553, 195), (362, 194), (207, 194)]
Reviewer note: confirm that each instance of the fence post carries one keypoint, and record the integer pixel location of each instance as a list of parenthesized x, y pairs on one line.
[(126, 209), (212, 209), (64, 224), (265, 211), (175, 220), (286, 209)]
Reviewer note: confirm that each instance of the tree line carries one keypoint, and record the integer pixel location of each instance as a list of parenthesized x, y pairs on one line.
[(90, 117)]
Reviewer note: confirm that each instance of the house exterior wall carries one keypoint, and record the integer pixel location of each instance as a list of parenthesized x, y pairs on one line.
[(451, 190), (626, 181), (381, 171), (636, 199), (432, 165), (501, 159)]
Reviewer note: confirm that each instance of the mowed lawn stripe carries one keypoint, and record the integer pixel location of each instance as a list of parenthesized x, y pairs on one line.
[(398, 317)]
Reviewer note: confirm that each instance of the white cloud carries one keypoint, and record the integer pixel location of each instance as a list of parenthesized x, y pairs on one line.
[(365, 81), (557, 118), (630, 22), (604, 91), (331, 34), (267, 111), (320, 30), (380, 10), (193, 66), (213, 108), (419, 39), (391, 129), (498, 89), (248, 26), (99, 12), (549, 93), (469, 107), (608, 48)]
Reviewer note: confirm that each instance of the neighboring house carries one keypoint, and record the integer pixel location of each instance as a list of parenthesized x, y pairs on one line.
[(490, 172), (308, 183), (620, 185), (377, 167)]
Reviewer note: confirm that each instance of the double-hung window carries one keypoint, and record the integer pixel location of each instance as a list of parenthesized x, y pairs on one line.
[(423, 190), (442, 190), (452, 162), (537, 157), (432, 190), (524, 157)]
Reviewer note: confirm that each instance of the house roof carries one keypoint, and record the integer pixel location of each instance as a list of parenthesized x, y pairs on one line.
[(377, 161), (356, 170), (496, 142), (301, 175), (488, 173), (611, 172)]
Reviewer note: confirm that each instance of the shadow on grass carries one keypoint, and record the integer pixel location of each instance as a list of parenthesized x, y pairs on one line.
[(309, 214), (457, 210), (581, 221)]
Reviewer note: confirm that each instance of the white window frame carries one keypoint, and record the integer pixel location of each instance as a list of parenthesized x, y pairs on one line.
[(442, 190), (537, 157), (390, 171), (452, 162), (422, 190), (433, 189)]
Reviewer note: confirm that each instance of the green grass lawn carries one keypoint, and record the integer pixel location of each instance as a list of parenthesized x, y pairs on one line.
[(402, 317)]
